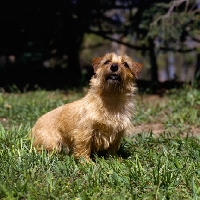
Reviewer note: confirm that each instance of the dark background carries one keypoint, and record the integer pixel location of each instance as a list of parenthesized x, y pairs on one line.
[(35, 34)]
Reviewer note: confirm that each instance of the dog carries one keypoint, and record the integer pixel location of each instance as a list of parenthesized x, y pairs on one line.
[(98, 121)]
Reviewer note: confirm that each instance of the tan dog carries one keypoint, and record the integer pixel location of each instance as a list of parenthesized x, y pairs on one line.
[(98, 121)]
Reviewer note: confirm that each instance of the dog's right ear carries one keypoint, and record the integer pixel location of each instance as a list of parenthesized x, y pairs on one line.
[(95, 63)]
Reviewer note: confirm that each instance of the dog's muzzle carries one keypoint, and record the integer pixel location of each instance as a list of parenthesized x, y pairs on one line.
[(113, 77)]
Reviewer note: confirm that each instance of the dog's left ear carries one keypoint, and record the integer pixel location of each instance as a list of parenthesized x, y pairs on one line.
[(95, 63), (136, 68)]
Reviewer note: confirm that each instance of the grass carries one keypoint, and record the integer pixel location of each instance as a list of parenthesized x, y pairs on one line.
[(151, 167)]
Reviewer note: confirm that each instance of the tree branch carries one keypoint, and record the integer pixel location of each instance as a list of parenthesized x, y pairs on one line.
[(140, 48)]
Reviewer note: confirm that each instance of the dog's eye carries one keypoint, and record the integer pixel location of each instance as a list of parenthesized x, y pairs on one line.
[(126, 65), (107, 62)]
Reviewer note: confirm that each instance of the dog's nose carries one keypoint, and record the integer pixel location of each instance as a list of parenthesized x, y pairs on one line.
[(114, 67)]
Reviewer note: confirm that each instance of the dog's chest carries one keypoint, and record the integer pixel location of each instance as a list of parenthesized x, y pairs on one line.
[(106, 132), (103, 137)]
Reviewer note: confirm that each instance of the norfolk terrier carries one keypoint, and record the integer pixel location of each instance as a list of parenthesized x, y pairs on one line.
[(98, 121)]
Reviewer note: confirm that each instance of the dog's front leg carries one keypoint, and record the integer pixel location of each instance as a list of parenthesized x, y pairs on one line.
[(82, 144), (112, 150)]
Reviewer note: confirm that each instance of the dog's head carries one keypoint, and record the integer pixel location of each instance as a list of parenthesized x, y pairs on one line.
[(113, 70)]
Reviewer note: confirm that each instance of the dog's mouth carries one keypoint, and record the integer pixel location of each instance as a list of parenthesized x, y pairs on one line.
[(113, 78)]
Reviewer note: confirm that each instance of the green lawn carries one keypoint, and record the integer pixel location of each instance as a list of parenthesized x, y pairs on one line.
[(151, 166)]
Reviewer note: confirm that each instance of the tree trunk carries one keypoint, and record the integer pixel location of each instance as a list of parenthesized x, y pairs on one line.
[(197, 71), (153, 63), (74, 41), (73, 70)]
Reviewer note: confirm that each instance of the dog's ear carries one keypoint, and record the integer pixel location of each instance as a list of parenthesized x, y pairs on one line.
[(136, 68), (95, 63)]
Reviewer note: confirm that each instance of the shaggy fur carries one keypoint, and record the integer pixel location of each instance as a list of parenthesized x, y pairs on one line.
[(98, 121)]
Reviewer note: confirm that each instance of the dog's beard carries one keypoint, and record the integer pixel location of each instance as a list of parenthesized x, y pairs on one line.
[(116, 82), (113, 78), (113, 81)]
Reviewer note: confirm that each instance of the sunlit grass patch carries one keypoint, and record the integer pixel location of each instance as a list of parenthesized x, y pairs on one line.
[(164, 166), (177, 111)]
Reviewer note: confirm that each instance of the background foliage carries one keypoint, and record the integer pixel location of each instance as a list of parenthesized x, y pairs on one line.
[(46, 39)]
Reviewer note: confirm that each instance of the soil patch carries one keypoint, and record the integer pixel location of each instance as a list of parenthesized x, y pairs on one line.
[(158, 128)]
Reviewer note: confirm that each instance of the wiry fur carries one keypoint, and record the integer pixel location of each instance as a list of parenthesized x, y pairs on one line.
[(98, 121)]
